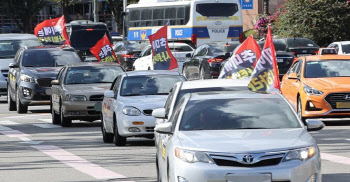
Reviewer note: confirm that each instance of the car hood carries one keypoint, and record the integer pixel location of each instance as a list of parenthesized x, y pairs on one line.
[(4, 63), (41, 72), (145, 101), (87, 89), (243, 141), (332, 83)]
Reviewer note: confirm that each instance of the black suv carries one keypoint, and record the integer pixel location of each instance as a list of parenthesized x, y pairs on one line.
[(31, 73)]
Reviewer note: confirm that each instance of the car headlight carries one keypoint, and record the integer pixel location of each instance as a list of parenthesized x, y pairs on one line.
[(192, 156), (311, 91), (301, 154), (131, 111), (75, 98), (27, 78)]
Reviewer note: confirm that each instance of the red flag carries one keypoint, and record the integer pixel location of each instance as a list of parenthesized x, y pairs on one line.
[(163, 59), (103, 51), (265, 75), (52, 31), (242, 62)]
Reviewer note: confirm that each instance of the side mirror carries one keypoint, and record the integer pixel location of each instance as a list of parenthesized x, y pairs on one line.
[(159, 113), (188, 55), (293, 76), (55, 82), (227, 55), (13, 65), (109, 94), (164, 128), (314, 125)]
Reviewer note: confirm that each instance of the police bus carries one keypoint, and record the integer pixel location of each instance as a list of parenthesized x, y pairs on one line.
[(201, 21)]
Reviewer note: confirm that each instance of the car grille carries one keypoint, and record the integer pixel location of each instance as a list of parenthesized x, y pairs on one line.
[(96, 98), (265, 159), (148, 112), (94, 112), (149, 129), (44, 82), (332, 99), (5, 73)]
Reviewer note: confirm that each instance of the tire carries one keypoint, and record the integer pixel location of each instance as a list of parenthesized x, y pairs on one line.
[(202, 75), (118, 140), (21, 109), (299, 111), (11, 103), (107, 137), (133, 68), (55, 117), (149, 68), (184, 72), (65, 122)]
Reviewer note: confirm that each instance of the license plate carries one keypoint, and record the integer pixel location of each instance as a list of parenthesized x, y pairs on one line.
[(279, 60), (343, 104), (249, 177), (299, 55)]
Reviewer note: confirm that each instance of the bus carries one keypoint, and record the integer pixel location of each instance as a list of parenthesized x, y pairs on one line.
[(200, 21)]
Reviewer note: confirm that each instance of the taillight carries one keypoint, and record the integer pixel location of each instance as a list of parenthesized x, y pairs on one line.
[(293, 53), (127, 55), (215, 60), (241, 37), (89, 29), (315, 52), (194, 39)]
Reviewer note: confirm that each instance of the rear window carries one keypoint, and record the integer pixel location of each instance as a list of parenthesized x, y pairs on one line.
[(83, 39), (183, 48), (346, 48), (279, 46), (217, 9), (301, 43), (48, 58)]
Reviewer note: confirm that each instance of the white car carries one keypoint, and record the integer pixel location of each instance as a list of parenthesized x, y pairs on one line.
[(342, 47), (128, 105), (179, 50)]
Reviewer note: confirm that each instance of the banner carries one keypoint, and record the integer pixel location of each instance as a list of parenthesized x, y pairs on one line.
[(265, 74), (241, 63), (162, 58), (103, 51), (52, 31)]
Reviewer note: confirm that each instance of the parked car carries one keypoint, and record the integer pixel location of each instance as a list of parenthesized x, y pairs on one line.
[(342, 47), (299, 46), (238, 136), (205, 62), (127, 52), (31, 73), (179, 51), (128, 105), (78, 88), (284, 57), (319, 86), (9, 45)]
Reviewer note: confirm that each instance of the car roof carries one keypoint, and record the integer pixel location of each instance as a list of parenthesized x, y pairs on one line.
[(214, 83), (232, 95), (16, 36), (344, 42), (93, 64), (151, 72), (58, 47), (327, 57)]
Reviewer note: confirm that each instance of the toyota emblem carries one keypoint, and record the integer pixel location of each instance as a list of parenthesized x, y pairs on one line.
[(248, 159), (346, 97)]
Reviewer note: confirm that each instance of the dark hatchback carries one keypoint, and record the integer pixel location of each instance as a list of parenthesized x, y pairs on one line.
[(127, 52), (299, 46), (31, 73), (205, 62)]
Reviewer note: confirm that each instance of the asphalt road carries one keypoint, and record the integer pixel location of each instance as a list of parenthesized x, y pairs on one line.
[(32, 149)]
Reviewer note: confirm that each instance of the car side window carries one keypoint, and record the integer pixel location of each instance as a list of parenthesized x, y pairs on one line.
[(294, 66), (60, 75), (149, 51), (116, 84), (203, 51), (336, 47), (144, 52), (196, 52), (298, 68), (174, 118), (168, 101)]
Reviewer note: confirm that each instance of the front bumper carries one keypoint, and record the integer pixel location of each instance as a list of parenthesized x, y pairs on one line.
[(36, 95), (80, 110), (291, 171), (126, 122)]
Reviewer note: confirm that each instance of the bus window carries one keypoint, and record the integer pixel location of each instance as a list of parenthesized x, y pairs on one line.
[(170, 13), (158, 14), (217, 9)]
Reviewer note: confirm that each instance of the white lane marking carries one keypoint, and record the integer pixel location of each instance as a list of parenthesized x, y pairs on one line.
[(29, 141), (46, 120), (46, 125), (13, 133), (77, 162), (8, 122), (4, 128), (335, 158)]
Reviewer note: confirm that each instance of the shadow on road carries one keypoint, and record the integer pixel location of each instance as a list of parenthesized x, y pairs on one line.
[(337, 123), (339, 177)]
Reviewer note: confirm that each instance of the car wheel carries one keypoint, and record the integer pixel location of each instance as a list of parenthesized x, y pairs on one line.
[(107, 137), (20, 107), (149, 68), (118, 140), (11, 103), (184, 72), (299, 111), (202, 75), (65, 122), (55, 117), (133, 68)]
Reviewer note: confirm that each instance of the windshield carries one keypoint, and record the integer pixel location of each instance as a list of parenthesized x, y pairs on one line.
[(88, 75), (83, 39), (148, 85), (8, 48), (328, 68), (238, 113), (346, 48), (216, 50), (132, 47), (48, 58), (279, 46), (301, 43)]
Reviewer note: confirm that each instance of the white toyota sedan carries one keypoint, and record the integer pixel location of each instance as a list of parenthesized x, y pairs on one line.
[(128, 105)]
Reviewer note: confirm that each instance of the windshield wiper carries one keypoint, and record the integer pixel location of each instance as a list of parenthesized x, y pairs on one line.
[(132, 95), (251, 128), (6, 57)]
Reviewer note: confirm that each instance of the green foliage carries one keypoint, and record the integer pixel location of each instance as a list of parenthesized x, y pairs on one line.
[(323, 21)]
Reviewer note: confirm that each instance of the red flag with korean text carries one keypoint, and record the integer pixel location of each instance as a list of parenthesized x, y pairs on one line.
[(162, 58), (265, 75), (241, 63), (52, 31), (103, 51)]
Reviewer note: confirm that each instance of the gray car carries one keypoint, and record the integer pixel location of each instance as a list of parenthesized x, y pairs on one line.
[(9, 44), (78, 88), (237, 136)]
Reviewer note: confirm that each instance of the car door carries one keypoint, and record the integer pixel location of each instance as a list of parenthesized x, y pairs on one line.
[(14, 74), (57, 90), (110, 104), (191, 66), (296, 84), (286, 81)]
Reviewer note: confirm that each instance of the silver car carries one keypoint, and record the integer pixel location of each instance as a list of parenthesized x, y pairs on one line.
[(238, 136)]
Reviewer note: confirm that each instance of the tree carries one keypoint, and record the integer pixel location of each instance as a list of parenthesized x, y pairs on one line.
[(116, 7), (64, 5), (22, 12), (323, 21)]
